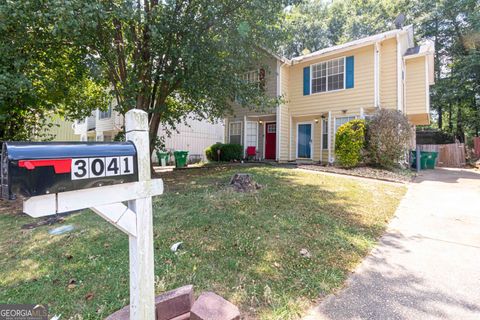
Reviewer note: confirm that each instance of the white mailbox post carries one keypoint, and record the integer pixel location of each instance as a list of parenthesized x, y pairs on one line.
[(135, 220)]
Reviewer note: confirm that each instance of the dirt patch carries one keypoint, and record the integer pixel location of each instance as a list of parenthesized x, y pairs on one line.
[(243, 182), (366, 172)]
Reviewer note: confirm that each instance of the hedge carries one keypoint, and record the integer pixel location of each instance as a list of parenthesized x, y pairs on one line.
[(228, 152)]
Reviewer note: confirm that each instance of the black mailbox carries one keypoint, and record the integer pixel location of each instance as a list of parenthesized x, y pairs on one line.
[(32, 169)]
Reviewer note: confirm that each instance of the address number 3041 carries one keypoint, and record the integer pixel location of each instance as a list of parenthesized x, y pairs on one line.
[(88, 168)]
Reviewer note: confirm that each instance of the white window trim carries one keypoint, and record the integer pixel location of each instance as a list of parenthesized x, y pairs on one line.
[(326, 84), (312, 144), (230, 129)]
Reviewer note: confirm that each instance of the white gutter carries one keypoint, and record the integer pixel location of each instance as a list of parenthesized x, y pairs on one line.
[(349, 45)]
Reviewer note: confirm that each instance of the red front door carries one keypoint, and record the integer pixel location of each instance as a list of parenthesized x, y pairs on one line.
[(270, 140)]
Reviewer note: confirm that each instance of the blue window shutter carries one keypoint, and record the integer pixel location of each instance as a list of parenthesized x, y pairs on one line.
[(349, 67), (306, 81)]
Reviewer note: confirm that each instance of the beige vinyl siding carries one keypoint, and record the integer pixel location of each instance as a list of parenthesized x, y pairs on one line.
[(388, 74), (416, 86), (62, 130), (362, 95), (284, 124)]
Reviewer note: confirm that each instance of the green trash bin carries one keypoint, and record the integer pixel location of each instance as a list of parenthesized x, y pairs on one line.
[(162, 158), (423, 160), (180, 158), (431, 158)]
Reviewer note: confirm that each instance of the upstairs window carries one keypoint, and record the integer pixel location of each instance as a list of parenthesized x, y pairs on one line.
[(256, 77), (105, 114), (328, 75)]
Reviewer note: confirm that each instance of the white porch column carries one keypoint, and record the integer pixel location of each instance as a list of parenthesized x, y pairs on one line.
[(330, 159), (244, 135), (290, 145)]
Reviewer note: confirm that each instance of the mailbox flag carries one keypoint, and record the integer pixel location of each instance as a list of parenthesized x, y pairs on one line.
[(59, 165)]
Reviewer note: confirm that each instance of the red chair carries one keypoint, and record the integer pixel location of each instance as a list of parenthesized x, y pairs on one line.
[(251, 153)]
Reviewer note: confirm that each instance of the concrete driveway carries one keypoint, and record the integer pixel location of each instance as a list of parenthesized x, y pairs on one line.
[(427, 265)]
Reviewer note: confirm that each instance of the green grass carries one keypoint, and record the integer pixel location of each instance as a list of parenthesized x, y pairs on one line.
[(243, 246)]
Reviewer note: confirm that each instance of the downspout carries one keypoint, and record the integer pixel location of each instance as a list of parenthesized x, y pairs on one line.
[(399, 76), (376, 52)]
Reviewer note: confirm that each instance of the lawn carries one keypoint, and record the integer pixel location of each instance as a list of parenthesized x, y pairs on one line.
[(246, 247)]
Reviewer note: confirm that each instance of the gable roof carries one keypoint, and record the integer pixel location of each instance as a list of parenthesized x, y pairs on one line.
[(352, 44)]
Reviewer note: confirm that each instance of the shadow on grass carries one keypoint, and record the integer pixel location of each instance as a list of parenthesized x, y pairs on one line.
[(245, 247)]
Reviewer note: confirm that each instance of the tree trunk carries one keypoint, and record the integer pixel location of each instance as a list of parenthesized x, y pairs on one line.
[(450, 122), (460, 134), (440, 117)]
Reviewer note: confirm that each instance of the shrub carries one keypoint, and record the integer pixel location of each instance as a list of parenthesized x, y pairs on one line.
[(231, 151), (387, 138), (349, 142), (211, 152), (228, 152)]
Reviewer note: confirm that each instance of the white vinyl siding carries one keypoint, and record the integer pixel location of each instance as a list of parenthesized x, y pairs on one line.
[(328, 75), (235, 132)]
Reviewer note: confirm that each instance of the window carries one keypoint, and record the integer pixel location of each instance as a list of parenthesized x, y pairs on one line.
[(342, 120), (235, 132), (256, 77), (105, 114), (252, 134), (325, 134), (328, 76), (272, 128)]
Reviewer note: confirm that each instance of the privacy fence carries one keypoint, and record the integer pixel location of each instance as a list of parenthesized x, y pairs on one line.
[(449, 155)]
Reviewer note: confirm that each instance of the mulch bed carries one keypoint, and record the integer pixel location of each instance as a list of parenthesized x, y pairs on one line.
[(402, 176)]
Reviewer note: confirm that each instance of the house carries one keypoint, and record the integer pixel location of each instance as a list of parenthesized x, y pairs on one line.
[(194, 135), (324, 89)]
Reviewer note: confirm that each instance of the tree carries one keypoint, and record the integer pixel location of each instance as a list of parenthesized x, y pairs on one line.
[(39, 76), (176, 57)]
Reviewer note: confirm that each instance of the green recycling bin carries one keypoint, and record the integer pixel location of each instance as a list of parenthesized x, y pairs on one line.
[(180, 158), (162, 158), (423, 160), (431, 158)]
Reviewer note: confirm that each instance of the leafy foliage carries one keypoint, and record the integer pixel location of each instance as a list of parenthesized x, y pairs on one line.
[(388, 137), (40, 76), (349, 142), (173, 58), (228, 152), (212, 152)]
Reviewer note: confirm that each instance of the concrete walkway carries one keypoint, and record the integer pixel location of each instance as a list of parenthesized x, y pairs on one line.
[(427, 265)]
